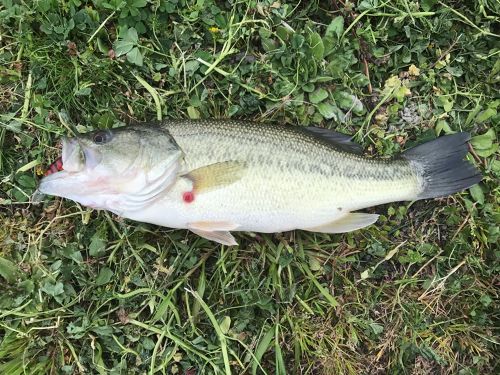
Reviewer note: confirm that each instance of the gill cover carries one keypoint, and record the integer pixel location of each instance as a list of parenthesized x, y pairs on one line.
[(120, 170)]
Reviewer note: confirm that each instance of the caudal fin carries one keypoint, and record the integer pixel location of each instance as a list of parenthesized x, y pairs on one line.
[(441, 166)]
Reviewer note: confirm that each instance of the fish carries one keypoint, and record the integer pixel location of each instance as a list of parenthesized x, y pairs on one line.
[(214, 177)]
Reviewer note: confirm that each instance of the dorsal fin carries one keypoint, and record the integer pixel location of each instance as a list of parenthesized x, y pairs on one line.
[(342, 141)]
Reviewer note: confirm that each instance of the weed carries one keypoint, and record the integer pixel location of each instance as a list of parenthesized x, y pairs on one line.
[(84, 291)]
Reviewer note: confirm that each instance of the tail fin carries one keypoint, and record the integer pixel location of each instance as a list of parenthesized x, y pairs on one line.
[(441, 166)]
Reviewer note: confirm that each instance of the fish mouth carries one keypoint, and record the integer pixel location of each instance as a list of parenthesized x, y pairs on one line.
[(73, 156), (63, 174), (72, 160)]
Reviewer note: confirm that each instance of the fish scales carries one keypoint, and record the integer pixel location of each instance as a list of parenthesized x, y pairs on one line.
[(216, 176), (312, 177), (285, 144)]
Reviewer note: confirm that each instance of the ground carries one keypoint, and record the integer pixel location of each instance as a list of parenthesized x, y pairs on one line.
[(87, 292)]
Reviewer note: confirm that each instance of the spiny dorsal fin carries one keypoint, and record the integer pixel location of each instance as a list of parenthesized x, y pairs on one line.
[(213, 176), (348, 223), (342, 141)]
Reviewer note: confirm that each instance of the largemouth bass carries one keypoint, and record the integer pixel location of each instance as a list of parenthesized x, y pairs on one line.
[(217, 176)]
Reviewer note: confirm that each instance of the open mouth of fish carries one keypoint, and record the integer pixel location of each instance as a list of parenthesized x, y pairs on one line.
[(72, 158)]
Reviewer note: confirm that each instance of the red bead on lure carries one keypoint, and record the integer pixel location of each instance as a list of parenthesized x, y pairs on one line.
[(56, 166)]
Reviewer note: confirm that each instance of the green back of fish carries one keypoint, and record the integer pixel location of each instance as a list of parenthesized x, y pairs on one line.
[(300, 165), (279, 147)]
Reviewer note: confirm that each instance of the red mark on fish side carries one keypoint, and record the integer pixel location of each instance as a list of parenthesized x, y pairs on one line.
[(56, 166), (188, 196)]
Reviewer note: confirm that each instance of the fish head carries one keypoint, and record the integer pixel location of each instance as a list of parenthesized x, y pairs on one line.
[(108, 168)]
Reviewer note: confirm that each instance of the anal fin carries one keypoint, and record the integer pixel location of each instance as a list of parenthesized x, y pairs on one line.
[(348, 223)]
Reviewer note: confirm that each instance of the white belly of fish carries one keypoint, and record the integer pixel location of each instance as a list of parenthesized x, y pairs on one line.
[(256, 203), (251, 204)]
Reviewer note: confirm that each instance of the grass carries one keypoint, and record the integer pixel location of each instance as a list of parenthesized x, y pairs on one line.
[(87, 292)]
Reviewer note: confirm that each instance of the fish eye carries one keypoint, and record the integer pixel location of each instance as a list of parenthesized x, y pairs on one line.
[(102, 137)]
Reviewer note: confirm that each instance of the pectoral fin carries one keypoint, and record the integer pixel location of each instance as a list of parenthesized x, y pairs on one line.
[(216, 175), (348, 223)]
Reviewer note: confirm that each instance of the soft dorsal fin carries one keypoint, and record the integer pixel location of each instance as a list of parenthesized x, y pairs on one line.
[(342, 141), (213, 176), (348, 223)]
